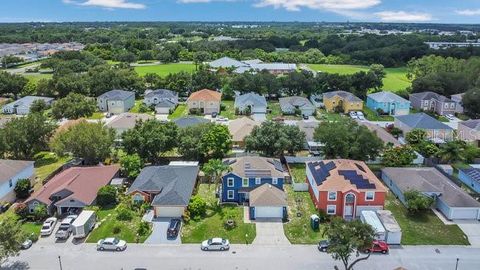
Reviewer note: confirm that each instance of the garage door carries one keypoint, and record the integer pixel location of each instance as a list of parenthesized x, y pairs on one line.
[(268, 212), (168, 211), (465, 213), (162, 110)]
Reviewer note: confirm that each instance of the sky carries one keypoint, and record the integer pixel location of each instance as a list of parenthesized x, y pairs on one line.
[(427, 11)]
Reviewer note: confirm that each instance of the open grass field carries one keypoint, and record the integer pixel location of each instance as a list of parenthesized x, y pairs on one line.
[(35, 77), (395, 80), (164, 69)]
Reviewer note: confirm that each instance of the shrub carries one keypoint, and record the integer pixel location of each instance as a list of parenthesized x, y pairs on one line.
[(143, 228), (33, 237), (124, 214), (40, 212), (186, 216), (116, 229), (22, 188), (197, 206), (107, 195), (417, 202), (21, 210)]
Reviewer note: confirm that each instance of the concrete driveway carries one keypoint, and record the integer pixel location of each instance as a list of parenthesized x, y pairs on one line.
[(472, 229), (159, 233), (270, 233), (259, 117)]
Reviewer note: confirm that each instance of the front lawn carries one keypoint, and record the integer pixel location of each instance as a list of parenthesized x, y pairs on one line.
[(323, 115), (164, 69), (275, 111), (300, 208), (425, 228), (212, 225), (179, 112), (139, 107), (228, 109), (373, 116), (46, 163)]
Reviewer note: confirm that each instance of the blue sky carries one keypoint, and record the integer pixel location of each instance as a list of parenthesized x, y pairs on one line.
[(436, 11)]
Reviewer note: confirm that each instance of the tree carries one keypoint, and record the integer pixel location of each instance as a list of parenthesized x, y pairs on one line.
[(348, 238), (38, 106), (73, 106), (416, 136), (90, 141), (416, 201), (347, 139), (11, 237), (470, 101), (40, 212), (398, 156), (213, 169), (216, 141), (150, 139), (12, 83), (189, 142), (106, 196), (22, 188), (452, 151), (197, 206), (131, 165)]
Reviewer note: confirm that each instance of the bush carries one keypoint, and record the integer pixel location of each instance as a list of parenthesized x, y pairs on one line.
[(197, 206), (417, 202), (22, 188), (40, 212), (124, 214), (33, 237), (143, 228), (107, 195), (116, 229), (186, 216), (21, 210)]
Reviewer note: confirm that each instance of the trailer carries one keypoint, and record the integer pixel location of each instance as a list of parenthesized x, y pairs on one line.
[(371, 218), (84, 224), (394, 232)]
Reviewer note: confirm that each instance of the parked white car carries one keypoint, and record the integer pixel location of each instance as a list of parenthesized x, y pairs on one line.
[(111, 243), (450, 117), (48, 226), (353, 115), (215, 244), (360, 116)]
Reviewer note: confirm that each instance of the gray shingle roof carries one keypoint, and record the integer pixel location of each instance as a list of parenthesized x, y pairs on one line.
[(267, 195), (252, 166), (343, 94), (161, 93), (226, 62), (10, 168), (174, 182), (290, 103), (117, 95), (190, 121), (387, 97), (473, 173), (250, 99), (422, 121), (473, 124), (27, 101), (430, 95)]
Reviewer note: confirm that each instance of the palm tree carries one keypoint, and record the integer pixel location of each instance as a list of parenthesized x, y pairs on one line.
[(452, 151), (213, 169)]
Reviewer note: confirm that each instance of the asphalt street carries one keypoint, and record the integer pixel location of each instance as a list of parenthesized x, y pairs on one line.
[(190, 257)]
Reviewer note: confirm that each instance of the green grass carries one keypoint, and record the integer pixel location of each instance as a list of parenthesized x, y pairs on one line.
[(275, 111), (212, 225), (298, 229), (297, 171), (395, 79), (425, 228), (373, 116), (32, 227), (96, 116), (46, 163), (228, 109), (322, 114), (138, 105), (35, 77), (164, 69), (179, 112)]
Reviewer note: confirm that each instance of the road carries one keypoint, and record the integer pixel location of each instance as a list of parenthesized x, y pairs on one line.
[(189, 257)]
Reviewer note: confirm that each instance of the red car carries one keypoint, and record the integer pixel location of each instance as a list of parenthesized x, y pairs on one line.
[(378, 246)]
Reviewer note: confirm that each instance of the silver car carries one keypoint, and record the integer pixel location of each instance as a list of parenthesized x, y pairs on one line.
[(215, 244), (111, 243), (48, 226)]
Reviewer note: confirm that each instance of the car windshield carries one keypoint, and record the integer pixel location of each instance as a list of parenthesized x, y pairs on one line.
[(224, 241), (46, 227), (115, 241), (209, 241)]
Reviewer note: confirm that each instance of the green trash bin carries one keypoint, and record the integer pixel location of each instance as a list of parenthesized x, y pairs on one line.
[(315, 222)]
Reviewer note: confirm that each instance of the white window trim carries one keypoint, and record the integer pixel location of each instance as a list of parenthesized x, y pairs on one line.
[(366, 196), (258, 181), (274, 181), (328, 196), (245, 180), (228, 182), (232, 193), (334, 209)]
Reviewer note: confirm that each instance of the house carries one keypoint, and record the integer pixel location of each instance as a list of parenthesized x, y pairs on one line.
[(10, 172), (72, 189), (116, 101), (430, 101), (22, 106), (470, 131), (344, 188), (388, 103), (341, 101), (437, 131), (254, 65), (470, 177), (167, 188), (458, 99), (289, 105), (226, 62), (241, 128), (308, 127), (165, 101), (246, 175), (126, 121), (190, 121), (250, 103), (451, 200), (204, 101)]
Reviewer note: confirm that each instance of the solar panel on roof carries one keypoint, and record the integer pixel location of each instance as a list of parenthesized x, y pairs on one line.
[(356, 179), (320, 171)]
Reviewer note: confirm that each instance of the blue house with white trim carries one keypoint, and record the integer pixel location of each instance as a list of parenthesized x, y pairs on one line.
[(389, 103), (470, 177)]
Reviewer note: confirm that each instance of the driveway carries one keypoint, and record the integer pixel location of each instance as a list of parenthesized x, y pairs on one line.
[(159, 233), (472, 229), (259, 117), (270, 233)]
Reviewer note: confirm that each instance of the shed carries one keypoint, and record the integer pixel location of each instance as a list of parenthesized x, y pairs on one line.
[(118, 182), (394, 232), (369, 217)]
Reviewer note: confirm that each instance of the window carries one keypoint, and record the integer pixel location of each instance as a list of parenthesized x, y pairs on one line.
[(452, 105), (138, 198), (258, 181), (230, 195), (245, 182), (332, 195), (446, 105), (230, 182), (331, 209), (274, 181), (10, 183), (369, 195)]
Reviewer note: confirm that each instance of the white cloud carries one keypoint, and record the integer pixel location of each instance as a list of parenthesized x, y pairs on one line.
[(468, 12), (403, 16), (111, 4)]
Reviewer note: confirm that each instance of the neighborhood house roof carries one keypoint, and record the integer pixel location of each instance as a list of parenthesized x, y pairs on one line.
[(267, 195), (250, 166), (205, 95), (473, 124), (190, 121), (160, 93), (342, 94), (430, 95), (241, 128), (387, 97), (9, 168), (473, 173), (82, 182), (288, 104), (128, 120), (173, 183), (309, 128), (381, 133), (274, 66), (422, 121), (343, 175), (117, 95), (250, 99), (165, 104), (430, 180), (226, 62), (27, 101)]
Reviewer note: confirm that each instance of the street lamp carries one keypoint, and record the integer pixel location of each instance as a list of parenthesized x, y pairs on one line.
[(60, 262), (456, 265)]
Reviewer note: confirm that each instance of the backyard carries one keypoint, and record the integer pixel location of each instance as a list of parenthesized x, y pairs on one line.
[(45, 164), (228, 109), (213, 224), (297, 171), (425, 228), (179, 112), (164, 69)]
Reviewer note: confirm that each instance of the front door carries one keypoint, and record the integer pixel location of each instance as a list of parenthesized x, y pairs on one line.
[(348, 210)]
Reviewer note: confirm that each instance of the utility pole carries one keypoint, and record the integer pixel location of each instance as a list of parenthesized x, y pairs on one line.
[(456, 265), (60, 262)]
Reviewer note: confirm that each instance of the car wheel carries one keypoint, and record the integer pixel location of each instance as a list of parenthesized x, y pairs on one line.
[(367, 251), (324, 250), (205, 249), (101, 248), (118, 249), (222, 248), (384, 252)]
